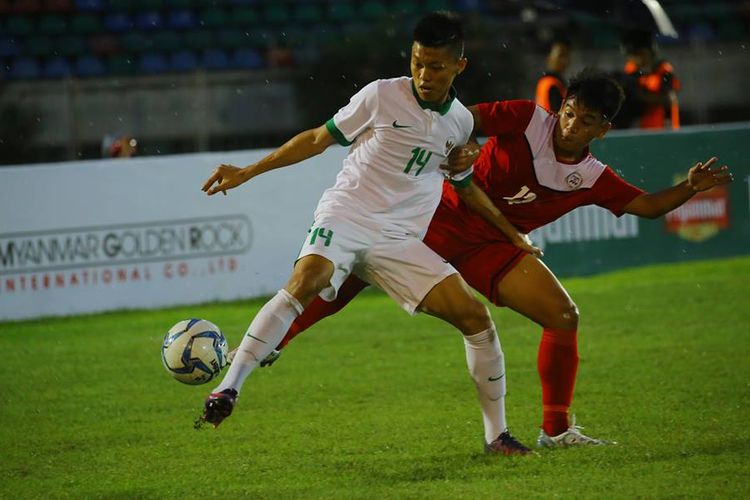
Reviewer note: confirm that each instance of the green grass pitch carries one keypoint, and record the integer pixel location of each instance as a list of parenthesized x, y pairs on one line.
[(374, 404)]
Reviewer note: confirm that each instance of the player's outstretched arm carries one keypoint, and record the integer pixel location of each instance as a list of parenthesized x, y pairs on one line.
[(701, 177), (300, 147), (478, 201)]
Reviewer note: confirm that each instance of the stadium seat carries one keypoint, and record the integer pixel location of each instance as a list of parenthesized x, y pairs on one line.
[(19, 25), (435, 5), (52, 24), (27, 6), (104, 44), (213, 18), (57, 67), (90, 5), (120, 5), (39, 46), (152, 63), (244, 17), (121, 64), (308, 13), (88, 65), (276, 14), (198, 39), (340, 12), (231, 38), (325, 33), (215, 59), (148, 21), (181, 20), (117, 22), (85, 24), (71, 45), (148, 4), (167, 41), (9, 47), (468, 5), (183, 61), (183, 4), (405, 7), (136, 42), (58, 6), (246, 58), (24, 68), (373, 10)]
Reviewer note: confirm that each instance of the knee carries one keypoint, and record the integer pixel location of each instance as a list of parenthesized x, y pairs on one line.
[(566, 317), (474, 318), (305, 286)]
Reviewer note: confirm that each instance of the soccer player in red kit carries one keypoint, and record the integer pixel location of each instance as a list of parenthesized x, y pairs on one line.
[(536, 167)]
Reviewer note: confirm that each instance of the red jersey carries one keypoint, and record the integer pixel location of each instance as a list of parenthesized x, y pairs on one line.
[(518, 170)]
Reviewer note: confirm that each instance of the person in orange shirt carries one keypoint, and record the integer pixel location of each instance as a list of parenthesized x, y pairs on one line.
[(551, 86), (656, 84)]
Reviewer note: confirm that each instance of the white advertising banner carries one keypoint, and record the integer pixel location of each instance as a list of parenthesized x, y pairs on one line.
[(102, 235)]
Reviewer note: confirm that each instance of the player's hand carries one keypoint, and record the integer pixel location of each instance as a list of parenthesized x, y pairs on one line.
[(702, 177), (524, 243), (461, 158), (225, 177)]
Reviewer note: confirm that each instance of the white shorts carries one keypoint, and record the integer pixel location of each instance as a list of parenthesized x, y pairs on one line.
[(402, 266)]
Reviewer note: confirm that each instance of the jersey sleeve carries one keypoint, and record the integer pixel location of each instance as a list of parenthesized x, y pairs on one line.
[(614, 193), (504, 117), (355, 117)]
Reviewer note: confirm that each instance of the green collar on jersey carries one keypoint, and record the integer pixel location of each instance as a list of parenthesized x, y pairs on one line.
[(440, 108)]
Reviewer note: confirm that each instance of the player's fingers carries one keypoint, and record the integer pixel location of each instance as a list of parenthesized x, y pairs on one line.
[(214, 177), (709, 162), (723, 178)]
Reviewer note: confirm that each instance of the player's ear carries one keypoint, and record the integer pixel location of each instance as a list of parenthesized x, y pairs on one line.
[(605, 127), (462, 63)]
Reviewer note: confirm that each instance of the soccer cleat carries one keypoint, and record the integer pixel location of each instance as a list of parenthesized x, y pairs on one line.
[(218, 406), (506, 444), (270, 359), (571, 437), (267, 361)]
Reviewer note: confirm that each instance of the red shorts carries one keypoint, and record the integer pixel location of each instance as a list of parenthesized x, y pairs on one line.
[(483, 262)]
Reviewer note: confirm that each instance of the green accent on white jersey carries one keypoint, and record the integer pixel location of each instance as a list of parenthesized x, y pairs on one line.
[(391, 178)]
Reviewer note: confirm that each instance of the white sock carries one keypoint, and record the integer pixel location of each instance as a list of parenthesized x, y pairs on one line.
[(263, 335), (487, 367)]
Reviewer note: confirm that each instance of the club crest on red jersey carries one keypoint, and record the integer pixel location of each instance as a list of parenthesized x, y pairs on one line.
[(574, 180)]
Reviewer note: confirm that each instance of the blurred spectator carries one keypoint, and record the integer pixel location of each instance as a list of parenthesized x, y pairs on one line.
[(653, 83), (551, 86), (280, 55), (119, 146)]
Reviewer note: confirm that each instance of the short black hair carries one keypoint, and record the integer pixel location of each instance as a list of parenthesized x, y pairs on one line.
[(441, 29), (597, 92)]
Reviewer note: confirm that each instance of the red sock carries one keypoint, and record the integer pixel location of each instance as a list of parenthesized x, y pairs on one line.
[(319, 308), (557, 364)]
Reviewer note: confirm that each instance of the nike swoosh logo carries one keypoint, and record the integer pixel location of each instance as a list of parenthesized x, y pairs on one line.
[(396, 125), (495, 379)]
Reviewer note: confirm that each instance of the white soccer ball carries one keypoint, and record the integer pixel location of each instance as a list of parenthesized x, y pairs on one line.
[(194, 351)]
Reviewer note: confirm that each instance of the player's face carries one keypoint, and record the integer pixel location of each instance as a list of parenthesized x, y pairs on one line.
[(578, 126), (433, 70)]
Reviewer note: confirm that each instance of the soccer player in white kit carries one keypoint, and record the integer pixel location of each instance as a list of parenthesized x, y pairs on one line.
[(372, 221)]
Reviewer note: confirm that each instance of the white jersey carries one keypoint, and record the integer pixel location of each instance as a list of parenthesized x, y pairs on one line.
[(391, 178)]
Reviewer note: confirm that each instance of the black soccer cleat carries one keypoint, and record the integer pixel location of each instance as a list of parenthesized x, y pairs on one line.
[(507, 445), (218, 406), (271, 358)]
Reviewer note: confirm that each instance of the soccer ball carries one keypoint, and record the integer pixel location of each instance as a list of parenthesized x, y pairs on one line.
[(194, 351)]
